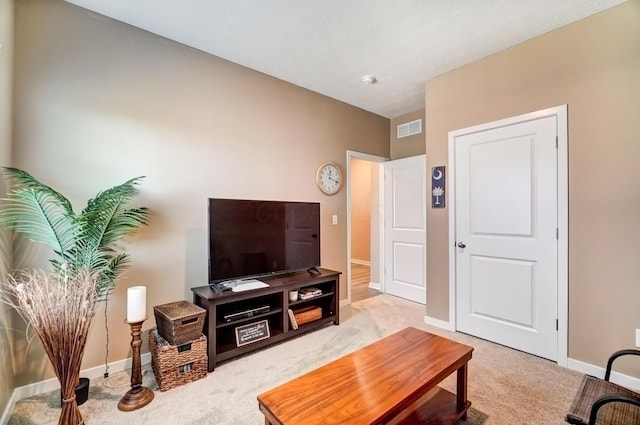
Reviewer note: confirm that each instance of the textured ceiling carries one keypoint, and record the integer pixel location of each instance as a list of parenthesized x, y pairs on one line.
[(328, 45)]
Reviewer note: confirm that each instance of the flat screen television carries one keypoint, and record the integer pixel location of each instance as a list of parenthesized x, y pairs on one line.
[(253, 238)]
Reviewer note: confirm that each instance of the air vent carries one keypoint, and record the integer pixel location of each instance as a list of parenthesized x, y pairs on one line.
[(410, 128)]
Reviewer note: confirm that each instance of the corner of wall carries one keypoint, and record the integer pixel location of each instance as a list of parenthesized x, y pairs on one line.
[(410, 145), (7, 378)]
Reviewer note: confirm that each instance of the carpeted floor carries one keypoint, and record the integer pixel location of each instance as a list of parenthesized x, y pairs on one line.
[(506, 387)]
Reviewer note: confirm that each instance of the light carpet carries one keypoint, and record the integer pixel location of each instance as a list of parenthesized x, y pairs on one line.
[(505, 386)]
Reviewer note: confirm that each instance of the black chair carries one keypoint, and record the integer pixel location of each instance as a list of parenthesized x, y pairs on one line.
[(599, 401)]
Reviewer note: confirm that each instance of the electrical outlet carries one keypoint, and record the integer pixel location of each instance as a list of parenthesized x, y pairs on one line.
[(637, 337)]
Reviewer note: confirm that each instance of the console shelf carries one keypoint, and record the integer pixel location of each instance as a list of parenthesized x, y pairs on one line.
[(310, 300), (222, 333), (237, 322)]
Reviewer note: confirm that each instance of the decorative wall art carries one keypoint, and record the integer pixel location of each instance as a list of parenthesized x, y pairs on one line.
[(437, 187)]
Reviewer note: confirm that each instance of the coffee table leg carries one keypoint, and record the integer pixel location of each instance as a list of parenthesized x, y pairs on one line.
[(269, 419), (461, 392)]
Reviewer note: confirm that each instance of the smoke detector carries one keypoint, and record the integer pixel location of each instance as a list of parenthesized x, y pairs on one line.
[(368, 80)]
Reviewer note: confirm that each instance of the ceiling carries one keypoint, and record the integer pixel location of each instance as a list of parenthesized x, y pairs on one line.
[(328, 45)]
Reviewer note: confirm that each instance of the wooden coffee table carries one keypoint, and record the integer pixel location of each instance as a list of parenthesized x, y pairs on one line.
[(392, 381)]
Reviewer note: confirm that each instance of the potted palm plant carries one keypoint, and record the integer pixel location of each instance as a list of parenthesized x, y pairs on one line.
[(85, 240), (84, 243)]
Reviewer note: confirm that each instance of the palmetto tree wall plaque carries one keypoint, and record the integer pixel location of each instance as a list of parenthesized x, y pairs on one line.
[(437, 187)]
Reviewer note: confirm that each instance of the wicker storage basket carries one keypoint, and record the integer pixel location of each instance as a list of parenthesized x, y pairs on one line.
[(307, 314), (179, 322), (175, 365)]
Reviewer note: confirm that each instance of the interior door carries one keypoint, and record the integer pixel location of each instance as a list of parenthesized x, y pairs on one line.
[(506, 235), (405, 228)]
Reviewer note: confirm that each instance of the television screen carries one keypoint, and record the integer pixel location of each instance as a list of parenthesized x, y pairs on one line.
[(250, 238)]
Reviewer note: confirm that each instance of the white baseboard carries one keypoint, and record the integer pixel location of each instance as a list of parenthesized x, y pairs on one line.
[(618, 378), (586, 368), (361, 262), (376, 286), (344, 302), (52, 384), (438, 323), (4, 419)]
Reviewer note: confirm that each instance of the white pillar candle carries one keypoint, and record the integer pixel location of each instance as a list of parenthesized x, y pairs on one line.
[(136, 303)]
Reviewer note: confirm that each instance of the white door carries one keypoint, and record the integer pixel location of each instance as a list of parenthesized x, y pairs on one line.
[(405, 228), (506, 224)]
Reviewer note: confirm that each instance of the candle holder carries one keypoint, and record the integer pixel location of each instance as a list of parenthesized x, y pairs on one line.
[(138, 396)]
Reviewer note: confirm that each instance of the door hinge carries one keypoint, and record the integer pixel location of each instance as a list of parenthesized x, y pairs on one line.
[(556, 142), (557, 233), (556, 324)]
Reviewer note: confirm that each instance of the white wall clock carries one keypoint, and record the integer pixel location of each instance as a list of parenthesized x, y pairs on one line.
[(329, 178)]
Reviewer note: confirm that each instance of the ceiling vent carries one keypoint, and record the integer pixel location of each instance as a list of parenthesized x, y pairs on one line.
[(409, 128)]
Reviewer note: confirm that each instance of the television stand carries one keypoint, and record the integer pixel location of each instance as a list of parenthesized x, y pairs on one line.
[(260, 317)]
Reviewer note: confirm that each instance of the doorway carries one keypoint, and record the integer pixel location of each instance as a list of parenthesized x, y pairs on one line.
[(364, 225), (397, 222)]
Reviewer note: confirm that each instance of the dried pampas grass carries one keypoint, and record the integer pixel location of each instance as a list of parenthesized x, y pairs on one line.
[(58, 308)]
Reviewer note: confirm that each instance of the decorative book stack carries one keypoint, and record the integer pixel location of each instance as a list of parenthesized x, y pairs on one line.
[(307, 293)]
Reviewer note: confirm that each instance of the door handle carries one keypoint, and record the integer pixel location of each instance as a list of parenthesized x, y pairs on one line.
[(461, 245)]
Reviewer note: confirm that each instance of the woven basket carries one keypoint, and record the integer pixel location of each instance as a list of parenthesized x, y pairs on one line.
[(307, 314), (175, 365), (179, 322)]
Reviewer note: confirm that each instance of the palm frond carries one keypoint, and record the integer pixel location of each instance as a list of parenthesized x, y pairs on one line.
[(90, 257), (124, 192), (41, 217), (105, 219), (20, 180), (110, 274), (123, 223)]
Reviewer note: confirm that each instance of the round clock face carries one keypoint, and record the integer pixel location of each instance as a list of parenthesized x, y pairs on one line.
[(329, 178)]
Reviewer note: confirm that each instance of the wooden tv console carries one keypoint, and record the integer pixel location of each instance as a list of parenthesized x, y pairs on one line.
[(222, 343)]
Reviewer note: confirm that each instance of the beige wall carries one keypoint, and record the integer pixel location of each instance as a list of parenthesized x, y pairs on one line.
[(6, 67), (375, 271), (360, 209), (98, 102), (410, 145), (593, 66)]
